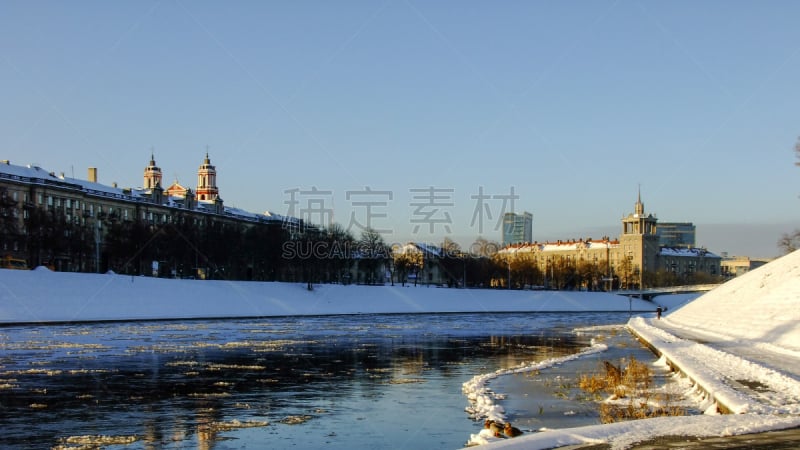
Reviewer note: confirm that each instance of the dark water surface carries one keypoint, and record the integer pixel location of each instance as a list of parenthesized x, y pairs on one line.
[(364, 381)]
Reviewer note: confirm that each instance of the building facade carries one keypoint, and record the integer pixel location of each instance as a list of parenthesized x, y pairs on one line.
[(631, 261), (552, 258), (418, 263), (639, 241), (517, 228), (37, 206), (734, 266)]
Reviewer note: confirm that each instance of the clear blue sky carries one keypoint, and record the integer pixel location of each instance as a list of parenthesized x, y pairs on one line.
[(571, 104)]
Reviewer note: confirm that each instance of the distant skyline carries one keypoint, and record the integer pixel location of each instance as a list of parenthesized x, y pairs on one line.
[(428, 116)]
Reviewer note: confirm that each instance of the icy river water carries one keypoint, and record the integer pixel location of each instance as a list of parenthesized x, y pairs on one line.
[(354, 382)]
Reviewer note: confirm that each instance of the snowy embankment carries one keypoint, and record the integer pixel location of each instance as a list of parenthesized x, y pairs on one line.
[(733, 383), (43, 296), (759, 310), (761, 306), (621, 435)]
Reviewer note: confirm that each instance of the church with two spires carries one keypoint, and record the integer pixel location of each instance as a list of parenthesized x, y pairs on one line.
[(205, 192)]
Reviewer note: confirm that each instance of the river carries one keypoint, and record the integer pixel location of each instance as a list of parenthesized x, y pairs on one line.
[(352, 381)]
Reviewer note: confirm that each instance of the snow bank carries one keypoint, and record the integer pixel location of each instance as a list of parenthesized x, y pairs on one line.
[(762, 305), (45, 296), (622, 434), (722, 374)]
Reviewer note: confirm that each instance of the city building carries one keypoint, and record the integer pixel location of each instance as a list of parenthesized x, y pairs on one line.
[(676, 234), (734, 266), (633, 260), (419, 263), (71, 224), (639, 241), (517, 228), (685, 262), (85, 210), (551, 258)]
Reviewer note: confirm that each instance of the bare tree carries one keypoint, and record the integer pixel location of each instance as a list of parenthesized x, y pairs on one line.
[(789, 242), (797, 152), (373, 253)]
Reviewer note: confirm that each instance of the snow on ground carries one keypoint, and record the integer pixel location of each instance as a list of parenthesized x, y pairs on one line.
[(758, 310), (760, 306), (622, 434), (735, 383), (43, 296)]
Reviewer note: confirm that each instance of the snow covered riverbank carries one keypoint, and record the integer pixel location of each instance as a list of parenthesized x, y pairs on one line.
[(44, 296), (760, 311)]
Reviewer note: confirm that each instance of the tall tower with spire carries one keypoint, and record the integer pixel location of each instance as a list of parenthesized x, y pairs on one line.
[(207, 181), (639, 242), (152, 174)]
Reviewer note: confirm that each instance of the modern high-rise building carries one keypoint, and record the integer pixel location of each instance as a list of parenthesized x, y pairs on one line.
[(676, 234), (517, 228)]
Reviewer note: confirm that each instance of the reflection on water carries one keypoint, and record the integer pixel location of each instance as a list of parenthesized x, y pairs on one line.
[(380, 381)]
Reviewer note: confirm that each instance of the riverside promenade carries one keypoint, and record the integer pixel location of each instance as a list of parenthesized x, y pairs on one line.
[(781, 362), (739, 377), (768, 440), (739, 345)]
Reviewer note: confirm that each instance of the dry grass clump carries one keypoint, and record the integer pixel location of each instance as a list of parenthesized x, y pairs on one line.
[(631, 392)]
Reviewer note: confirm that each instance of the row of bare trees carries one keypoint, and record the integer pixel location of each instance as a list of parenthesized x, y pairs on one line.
[(189, 245)]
